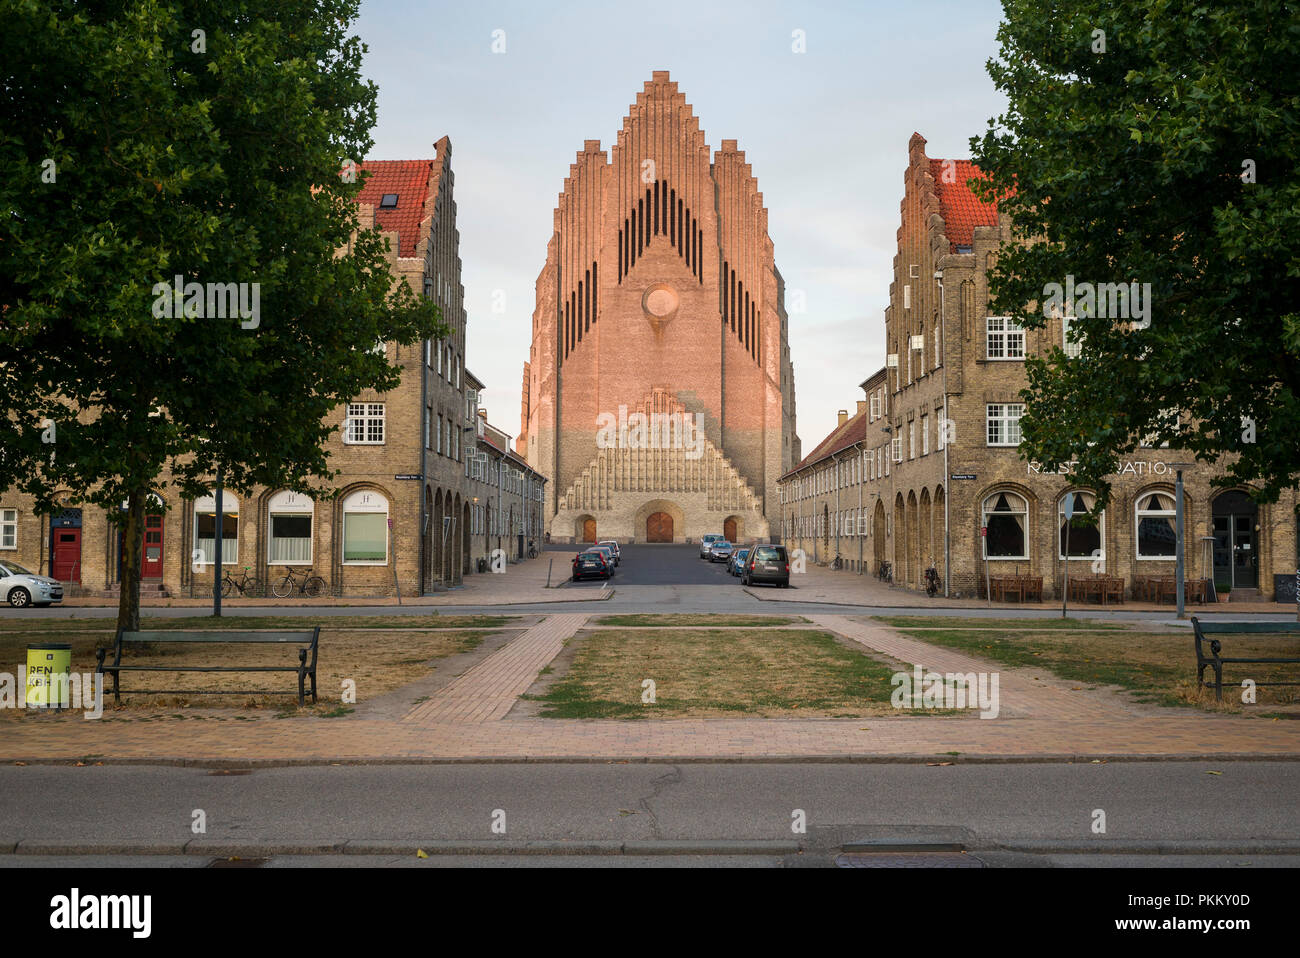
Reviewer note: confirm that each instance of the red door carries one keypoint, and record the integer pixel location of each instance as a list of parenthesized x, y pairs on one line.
[(65, 564), (151, 566), (589, 530)]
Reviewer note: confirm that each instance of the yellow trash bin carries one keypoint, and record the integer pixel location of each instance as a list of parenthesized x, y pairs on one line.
[(45, 665)]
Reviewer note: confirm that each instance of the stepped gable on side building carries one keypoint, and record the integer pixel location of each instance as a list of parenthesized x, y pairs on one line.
[(660, 298)]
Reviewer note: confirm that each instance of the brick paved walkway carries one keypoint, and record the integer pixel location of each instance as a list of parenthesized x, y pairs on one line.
[(487, 691), (1042, 719), (1022, 692)]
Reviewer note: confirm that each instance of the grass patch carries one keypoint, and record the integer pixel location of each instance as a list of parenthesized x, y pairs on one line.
[(705, 620), (377, 663), (330, 623), (1157, 667), (709, 674)]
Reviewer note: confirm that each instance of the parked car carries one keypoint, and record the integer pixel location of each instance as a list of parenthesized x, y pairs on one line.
[(21, 587), (610, 559), (591, 564), (767, 563), (613, 547), (706, 542), (720, 551), (737, 561)]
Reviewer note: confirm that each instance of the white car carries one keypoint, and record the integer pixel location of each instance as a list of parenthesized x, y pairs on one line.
[(21, 588), (707, 542)]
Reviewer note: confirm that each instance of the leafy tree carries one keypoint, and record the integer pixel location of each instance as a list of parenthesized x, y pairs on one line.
[(145, 140), (1155, 142)]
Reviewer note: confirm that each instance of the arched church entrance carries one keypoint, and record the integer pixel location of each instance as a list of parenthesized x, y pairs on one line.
[(659, 527)]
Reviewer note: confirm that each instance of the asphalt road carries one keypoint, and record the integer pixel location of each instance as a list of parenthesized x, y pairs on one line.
[(657, 578), (1155, 812)]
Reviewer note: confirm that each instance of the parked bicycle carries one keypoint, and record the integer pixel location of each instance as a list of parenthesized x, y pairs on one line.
[(838, 563), (885, 572), (931, 580), (532, 550), (310, 585), (229, 584)]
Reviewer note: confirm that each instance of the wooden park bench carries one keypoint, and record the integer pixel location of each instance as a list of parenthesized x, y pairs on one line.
[(1216, 661), (306, 640)]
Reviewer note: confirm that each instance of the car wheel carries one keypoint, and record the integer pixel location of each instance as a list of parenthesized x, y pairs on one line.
[(20, 598)]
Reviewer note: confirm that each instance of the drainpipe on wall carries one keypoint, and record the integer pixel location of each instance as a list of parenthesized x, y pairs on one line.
[(424, 460), (861, 473), (947, 414)]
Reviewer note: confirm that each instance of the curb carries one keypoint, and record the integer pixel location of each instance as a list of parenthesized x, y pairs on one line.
[(866, 758), (404, 849)]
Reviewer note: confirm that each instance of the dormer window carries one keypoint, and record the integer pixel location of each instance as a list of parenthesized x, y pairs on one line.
[(965, 249), (388, 201)]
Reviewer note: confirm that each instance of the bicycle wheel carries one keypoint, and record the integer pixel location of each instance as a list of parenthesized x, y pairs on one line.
[(314, 586), (283, 587), (227, 587)]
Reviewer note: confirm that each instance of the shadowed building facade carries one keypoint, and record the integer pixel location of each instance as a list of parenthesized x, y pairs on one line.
[(659, 393)]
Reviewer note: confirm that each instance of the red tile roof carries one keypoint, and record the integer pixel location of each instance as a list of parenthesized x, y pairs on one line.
[(409, 179), (841, 437), (961, 208)]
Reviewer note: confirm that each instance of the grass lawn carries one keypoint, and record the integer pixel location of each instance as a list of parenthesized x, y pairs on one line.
[(1158, 667), (328, 623), (705, 620), (375, 662), (701, 673)]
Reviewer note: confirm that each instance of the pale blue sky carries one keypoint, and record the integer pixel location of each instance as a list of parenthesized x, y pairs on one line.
[(825, 131)]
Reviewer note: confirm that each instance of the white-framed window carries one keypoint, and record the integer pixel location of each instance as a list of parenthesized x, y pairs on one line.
[(289, 528), (1072, 348), (911, 439), (1006, 521), (897, 450), (455, 443), (907, 295), (205, 528), (1005, 338), (1004, 423), (875, 406), (428, 427), (938, 348), (439, 359), (925, 435), (365, 528), (365, 424), (8, 528), (439, 446), (1156, 517), (1087, 541), (940, 438)]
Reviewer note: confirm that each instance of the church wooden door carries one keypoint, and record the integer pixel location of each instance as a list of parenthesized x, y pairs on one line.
[(659, 528), (729, 530), (589, 530)]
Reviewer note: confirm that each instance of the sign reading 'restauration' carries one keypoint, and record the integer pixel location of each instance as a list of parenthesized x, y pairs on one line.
[(1127, 467)]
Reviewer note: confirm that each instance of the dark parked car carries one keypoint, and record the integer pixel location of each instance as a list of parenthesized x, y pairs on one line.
[(591, 565), (767, 563), (611, 559)]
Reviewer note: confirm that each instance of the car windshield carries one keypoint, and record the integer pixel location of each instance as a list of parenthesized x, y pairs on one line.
[(15, 569)]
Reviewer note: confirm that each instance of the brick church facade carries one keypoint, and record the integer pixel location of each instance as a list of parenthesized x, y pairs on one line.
[(659, 393)]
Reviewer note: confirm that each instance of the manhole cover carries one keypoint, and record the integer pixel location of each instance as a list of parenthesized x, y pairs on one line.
[(907, 860)]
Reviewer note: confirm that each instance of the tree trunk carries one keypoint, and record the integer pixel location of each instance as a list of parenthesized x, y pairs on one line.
[(128, 602)]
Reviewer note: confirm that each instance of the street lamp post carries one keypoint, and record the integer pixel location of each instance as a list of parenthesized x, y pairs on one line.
[(1178, 535)]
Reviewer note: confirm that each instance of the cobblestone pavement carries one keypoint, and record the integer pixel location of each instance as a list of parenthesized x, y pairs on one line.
[(1040, 718)]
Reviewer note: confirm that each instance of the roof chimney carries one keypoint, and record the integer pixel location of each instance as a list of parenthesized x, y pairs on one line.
[(862, 405), (844, 416)]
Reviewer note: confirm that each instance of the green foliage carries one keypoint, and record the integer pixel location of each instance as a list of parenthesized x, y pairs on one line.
[(220, 165), (1128, 166)]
